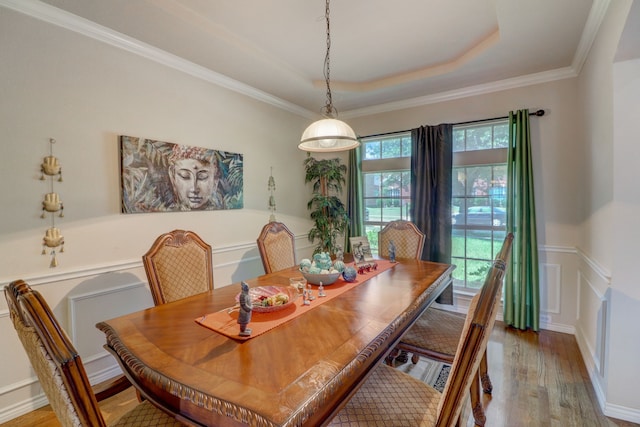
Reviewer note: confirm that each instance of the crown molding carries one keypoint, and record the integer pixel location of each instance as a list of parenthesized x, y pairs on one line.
[(528, 80), (71, 22), (595, 18)]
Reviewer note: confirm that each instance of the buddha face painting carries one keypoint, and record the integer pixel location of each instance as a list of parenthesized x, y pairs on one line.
[(158, 176), (194, 178)]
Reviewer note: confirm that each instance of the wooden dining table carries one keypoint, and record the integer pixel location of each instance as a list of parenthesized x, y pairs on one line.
[(299, 373)]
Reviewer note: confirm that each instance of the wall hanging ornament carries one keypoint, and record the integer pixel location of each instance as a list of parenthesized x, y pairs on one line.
[(271, 186), (51, 205)]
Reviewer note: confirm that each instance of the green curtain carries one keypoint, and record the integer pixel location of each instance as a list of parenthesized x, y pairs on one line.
[(522, 287), (354, 202)]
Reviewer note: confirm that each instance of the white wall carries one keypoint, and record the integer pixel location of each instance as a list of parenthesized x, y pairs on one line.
[(609, 303), (624, 338), (84, 93)]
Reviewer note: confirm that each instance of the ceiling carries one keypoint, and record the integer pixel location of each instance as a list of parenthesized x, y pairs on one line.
[(384, 54)]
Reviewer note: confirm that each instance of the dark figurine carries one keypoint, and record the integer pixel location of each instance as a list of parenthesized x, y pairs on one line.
[(392, 251), (246, 306)]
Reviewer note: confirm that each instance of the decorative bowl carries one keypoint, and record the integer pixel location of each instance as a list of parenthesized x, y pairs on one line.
[(261, 292), (326, 279)]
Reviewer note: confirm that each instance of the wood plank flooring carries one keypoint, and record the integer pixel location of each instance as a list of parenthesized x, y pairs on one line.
[(539, 379)]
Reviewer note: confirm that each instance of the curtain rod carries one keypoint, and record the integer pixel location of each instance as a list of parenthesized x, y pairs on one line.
[(538, 113)]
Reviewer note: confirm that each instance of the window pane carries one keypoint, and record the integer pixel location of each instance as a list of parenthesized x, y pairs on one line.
[(476, 272), (391, 184), (478, 138), (387, 182), (501, 136), (406, 146), (478, 202), (458, 140), (372, 183), (458, 243), (372, 234), (460, 272), (371, 150), (391, 148)]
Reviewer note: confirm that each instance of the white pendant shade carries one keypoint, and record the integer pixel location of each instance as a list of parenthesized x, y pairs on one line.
[(328, 135)]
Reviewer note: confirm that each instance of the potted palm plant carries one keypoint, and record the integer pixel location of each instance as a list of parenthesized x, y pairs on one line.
[(328, 212)]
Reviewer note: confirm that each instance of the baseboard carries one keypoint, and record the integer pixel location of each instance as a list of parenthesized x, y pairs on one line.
[(544, 319), (21, 408), (38, 401), (622, 413), (608, 409)]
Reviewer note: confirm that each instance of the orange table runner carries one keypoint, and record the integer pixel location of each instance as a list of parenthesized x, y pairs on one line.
[(227, 323)]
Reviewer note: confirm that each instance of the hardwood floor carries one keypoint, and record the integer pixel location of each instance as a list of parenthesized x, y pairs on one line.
[(539, 379)]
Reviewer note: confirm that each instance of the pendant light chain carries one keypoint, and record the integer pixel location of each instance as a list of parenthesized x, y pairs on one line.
[(328, 134), (327, 70)]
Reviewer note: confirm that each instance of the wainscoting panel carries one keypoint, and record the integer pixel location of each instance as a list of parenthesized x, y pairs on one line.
[(592, 310), (558, 269), (551, 277), (87, 309), (591, 320)]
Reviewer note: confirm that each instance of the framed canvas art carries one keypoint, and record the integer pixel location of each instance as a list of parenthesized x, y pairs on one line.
[(157, 176)]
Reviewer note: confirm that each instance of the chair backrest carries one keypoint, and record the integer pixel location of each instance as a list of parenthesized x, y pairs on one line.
[(407, 238), (474, 339), (504, 255), (53, 357), (178, 265), (276, 244)]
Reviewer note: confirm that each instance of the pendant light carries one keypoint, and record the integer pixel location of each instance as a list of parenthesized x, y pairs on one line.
[(328, 134)]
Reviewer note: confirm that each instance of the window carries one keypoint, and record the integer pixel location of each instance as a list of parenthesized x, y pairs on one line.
[(479, 213), (386, 163)]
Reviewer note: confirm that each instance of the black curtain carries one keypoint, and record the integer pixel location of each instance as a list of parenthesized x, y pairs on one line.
[(431, 163)]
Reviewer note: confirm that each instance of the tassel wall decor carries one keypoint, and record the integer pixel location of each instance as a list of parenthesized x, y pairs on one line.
[(271, 186), (53, 239)]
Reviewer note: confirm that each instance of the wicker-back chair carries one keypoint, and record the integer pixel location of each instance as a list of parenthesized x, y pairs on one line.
[(436, 335), (407, 238), (60, 369), (178, 265), (394, 398), (276, 244)]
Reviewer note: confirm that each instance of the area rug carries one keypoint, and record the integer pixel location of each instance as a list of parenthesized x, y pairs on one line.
[(429, 371)]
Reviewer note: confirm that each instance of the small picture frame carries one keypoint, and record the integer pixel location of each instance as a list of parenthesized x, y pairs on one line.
[(361, 250)]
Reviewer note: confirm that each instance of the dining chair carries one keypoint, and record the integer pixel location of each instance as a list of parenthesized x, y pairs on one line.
[(276, 244), (437, 332), (407, 238), (178, 265), (409, 242), (390, 397), (59, 366)]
